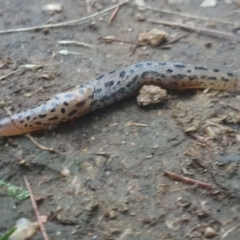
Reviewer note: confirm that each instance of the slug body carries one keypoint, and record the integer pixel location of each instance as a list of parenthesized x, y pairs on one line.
[(112, 87)]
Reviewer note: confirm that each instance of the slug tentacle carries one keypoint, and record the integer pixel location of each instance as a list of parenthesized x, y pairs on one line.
[(112, 87)]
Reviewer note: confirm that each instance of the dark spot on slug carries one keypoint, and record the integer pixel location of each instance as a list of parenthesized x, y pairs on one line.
[(94, 102), (135, 78), (201, 68), (62, 110), (28, 117), (122, 74), (216, 70), (121, 90), (138, 65), (179, 65), (189, 71), (100, 77), (112, 72), (113, 95), (38, 123), (109, 84), (225, 79), (53, 118), (230, 74), (179, 76), (169, 70), (144, 74), (149, 63), (53, 110), (98, 90), (42, 115), (72, 112), (21, 121), (161, 75), (212, 78), (131, 71), (34, 118), (162, 63), (192, 77), (129, 84), (26, 125), (204, 77), (65, 103), (81, 103)]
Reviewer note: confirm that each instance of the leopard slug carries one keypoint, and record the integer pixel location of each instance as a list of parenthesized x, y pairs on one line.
[(112, 87)]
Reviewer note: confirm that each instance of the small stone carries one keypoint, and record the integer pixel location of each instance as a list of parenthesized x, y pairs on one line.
[(98, 6), (46, 31), (210, 232), (58, 208), (109, 39), (208, 3), (65, 172), (150, 94), (154, 37), (139, 17), (110, 214), (52, 8)]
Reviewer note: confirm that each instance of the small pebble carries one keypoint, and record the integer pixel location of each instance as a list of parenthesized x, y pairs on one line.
[(52, 8), (139, 17), (154, 37), (65, 172), (210, 232)]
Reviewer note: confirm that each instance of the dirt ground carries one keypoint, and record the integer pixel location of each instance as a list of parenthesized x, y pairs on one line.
[(106, 179)]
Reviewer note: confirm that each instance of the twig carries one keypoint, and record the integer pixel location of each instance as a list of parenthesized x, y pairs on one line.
[(191, 16), (196, 29), (174, 41), (9, 113), (122, 41), (64, 24), (104, 154), (70, 42), (7, 75), (113, 15), (187, 180), (229, 231), (40, 145), (42, 228), (130, 124)]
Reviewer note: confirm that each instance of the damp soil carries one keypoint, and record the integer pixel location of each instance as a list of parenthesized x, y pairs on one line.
[(106, 178)]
